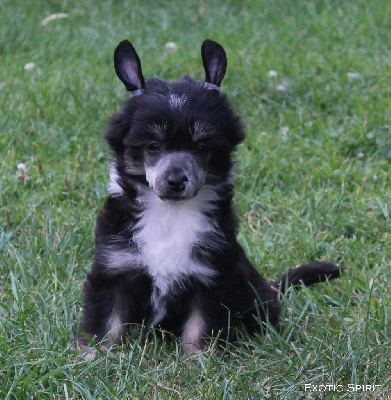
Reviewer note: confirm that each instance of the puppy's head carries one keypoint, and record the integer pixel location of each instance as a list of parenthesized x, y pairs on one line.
[(176, 136)]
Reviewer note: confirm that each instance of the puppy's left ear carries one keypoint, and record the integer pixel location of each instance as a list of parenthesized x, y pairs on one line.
[(128, 67), (214, 60)]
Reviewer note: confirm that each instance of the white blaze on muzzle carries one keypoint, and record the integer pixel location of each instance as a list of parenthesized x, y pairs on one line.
[(151, 173), (175, 162)]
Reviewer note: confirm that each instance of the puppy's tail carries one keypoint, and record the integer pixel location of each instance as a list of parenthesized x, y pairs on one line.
[(311, 273)]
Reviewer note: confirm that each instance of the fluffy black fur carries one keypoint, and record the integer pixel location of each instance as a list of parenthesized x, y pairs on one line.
[(181, 121)]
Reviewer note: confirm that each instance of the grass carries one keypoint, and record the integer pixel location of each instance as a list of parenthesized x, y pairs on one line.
[(313, 182)]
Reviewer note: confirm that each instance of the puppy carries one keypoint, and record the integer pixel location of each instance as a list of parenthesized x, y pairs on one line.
[(166, 250)]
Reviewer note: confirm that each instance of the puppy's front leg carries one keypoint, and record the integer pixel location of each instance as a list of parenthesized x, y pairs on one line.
[(207, 318), (193, 330), (107, 306)]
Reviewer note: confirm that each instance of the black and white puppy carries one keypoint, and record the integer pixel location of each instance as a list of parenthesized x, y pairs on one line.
[(166, 248)]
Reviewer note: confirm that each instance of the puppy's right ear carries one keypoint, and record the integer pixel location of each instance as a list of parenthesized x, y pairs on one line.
[(128, 68), (214, 60)]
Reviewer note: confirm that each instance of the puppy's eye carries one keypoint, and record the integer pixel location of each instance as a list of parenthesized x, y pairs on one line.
[(153, 147), (202, 148)]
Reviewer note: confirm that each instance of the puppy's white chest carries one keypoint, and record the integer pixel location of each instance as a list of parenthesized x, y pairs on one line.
[(166, 234)]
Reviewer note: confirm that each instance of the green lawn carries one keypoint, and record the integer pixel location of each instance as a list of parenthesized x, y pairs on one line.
[(313, 182)]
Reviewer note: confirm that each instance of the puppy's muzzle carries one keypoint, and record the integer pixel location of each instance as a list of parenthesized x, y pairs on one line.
[(176, 176), (177, 181)]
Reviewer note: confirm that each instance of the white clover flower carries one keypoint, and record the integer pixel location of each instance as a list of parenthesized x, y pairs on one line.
[(272, 73), (281, 88), (172, 46), (353, 75), (29, 66), (284, 131), (22, 172)]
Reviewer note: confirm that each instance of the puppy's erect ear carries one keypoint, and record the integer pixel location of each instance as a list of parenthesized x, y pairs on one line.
[(128, 67), (215, 63)]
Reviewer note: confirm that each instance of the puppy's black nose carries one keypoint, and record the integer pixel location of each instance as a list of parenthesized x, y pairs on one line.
[(176, 181)]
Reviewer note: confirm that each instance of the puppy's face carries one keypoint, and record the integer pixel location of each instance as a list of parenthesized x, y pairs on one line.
[(177, 135), (172, 154)]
